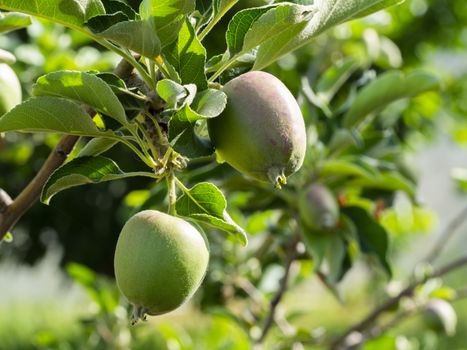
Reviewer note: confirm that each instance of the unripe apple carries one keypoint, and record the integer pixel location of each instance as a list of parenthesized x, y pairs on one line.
[(160, 261), (261, 132), (10, 89), (318, 207)]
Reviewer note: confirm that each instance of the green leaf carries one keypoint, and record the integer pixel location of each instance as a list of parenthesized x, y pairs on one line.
[(376, 6), (168, 17), (221, 5), (390, 181), (114, 6), (347, 167), (49, 114), (12, 21), (82, 87), (170, 91), (96, 146), (205, 203), (373, 238), (183, 137), (329, 254), (283, 21), (333, 78), (329, 13), (203, 6), (335, 258), (71, 13), (100, 23), (239, 25), (81, 171), (188, 56), (127, 96), (210, 103), (82, 274), (385, 89), (317, 244), (138, 36)]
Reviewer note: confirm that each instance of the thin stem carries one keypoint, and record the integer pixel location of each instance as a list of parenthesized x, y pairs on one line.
[(128, 57), (157, 128), (369, 320), (181, 185), (201, 21), (152, 70), (149, 141), (148, 161), (216, 19), (160, 64), (403, 315), (225, 66), (446, 235), (133, 129), (283, 284), (172, 193)]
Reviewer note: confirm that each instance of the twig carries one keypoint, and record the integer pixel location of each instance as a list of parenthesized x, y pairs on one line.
[(380, 330), (32, 191), (446, 235), (290, 257), (172, 190), (339, 343), (29, 195)]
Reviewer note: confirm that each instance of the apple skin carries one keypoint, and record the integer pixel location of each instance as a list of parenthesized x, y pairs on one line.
[(160, 261), (261, 132), (10, 89)]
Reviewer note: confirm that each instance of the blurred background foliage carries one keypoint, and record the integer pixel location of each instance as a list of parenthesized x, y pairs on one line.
[(57, 274)]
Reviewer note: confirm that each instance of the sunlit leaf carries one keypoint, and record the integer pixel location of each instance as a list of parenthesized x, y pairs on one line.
[(12, 21), (81, 171), (81, 87), (49, 114), (72, 13), (205, 203)]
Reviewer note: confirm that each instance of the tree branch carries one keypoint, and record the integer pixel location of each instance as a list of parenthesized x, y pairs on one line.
[(283, 284), (14, 210), (446, 235), (340, 342), (380, 330), (32, 191)]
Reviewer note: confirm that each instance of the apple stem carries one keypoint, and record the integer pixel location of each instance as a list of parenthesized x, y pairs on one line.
[(139, 313), (277, 177), (172, 193)]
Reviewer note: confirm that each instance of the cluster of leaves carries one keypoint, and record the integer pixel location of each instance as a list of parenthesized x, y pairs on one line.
[(169, 45)]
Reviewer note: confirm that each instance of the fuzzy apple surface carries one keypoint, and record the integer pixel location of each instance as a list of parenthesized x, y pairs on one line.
[(160, 261), (10, 89), (261, 132), (319, 209)]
